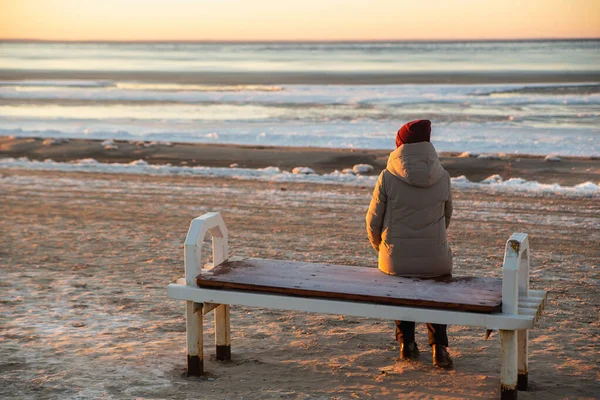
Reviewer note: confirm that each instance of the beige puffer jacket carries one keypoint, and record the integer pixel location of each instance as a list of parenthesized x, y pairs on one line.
[(409, 213)]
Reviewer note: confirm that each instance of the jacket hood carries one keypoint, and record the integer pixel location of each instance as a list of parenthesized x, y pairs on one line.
[(416, 164)]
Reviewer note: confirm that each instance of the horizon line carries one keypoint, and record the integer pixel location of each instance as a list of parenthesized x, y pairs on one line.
[(297, 41)]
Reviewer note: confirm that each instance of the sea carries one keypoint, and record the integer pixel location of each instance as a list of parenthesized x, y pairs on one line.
[(512, 97)]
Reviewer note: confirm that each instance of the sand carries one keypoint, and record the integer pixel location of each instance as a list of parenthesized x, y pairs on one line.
[(569, 171), (85, 259)]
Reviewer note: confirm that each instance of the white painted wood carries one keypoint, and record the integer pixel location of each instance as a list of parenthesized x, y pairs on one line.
[(510, 299), (508, 356), (528, 311), (515, 246), (195, 337), (529, 304), (208, 223), (522, 346), (532, 299), (358, 309), (524, 272), (222, 330), (537, 293)]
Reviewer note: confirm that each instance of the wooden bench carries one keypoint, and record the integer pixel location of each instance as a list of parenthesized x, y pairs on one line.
[(506, 304)]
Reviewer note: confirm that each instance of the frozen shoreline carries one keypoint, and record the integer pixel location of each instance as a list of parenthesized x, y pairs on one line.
[(492, 184), (565, 171)]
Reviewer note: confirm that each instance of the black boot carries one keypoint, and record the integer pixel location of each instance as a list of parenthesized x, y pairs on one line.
[(409, 351), (441, 358)]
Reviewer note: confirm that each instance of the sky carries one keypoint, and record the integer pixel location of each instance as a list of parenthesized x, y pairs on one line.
[(272, 20)]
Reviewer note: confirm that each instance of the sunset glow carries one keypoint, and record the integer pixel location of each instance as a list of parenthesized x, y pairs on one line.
[(297, 19)]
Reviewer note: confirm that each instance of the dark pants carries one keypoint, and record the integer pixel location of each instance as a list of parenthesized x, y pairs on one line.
[(405, 333)]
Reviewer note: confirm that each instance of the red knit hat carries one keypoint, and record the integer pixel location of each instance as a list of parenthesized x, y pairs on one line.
[(414, 132)]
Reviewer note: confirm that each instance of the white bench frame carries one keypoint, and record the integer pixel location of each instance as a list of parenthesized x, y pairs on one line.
[(521, 306)]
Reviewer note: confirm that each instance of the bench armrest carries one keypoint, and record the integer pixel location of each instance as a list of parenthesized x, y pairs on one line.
[(208, 223), (515, 272)]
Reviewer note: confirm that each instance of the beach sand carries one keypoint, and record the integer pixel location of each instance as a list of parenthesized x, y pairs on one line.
[(569, 171), (85, 259)]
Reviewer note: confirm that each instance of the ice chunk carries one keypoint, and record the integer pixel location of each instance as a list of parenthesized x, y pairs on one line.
[(492, 179), (139, 162), (109, 144), (362, 168), (552, 158), (492, 156), (302, 171), (53, 141)]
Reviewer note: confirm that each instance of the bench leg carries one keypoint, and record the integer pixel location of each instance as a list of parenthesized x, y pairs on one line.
[(522, 343), (195, 340), (508, 369), (222, 335)]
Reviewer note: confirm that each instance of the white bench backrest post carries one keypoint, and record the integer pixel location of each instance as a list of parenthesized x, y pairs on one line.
[(515, 272), (208, 223)]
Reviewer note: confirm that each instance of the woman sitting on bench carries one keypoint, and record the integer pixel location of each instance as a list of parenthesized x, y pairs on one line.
[(407, 221)]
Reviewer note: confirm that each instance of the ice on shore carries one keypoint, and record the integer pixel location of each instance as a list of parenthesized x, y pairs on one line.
[(139, 162), (552, 158), (109, 144), (492, 156), (493, 184), (362, 168), (492, 179), (153, 143), (54, 141), (303, 171)]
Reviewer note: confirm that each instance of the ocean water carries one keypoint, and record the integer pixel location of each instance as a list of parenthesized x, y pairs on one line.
[(539, 97)]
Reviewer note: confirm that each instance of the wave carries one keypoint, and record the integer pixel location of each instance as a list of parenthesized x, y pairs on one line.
[(493, 184)]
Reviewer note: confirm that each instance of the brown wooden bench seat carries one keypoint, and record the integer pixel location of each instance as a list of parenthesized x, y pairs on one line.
[(341, 282)]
